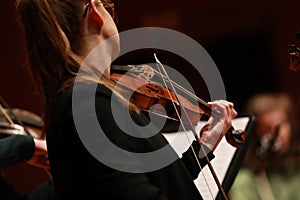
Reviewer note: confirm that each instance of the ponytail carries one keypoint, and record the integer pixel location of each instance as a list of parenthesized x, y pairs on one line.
[(50, 27)]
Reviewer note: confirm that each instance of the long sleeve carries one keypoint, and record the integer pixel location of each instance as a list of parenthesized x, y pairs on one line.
[(15, 149), (78, 174), (190, 160)]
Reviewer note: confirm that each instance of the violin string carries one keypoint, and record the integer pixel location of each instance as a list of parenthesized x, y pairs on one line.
[(206, 110), (163, 77), (181, 88), (203, 105), (173, 102), (179, 101), (160, 67)]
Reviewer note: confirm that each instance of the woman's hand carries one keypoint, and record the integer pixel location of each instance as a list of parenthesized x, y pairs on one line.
[(217, 125)]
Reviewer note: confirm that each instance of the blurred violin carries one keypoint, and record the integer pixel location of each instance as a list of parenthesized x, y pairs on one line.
[(15, 121), (294, 55), (136, 84), (19, 122)]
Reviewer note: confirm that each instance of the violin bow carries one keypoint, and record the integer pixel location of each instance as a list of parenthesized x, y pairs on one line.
[(9, 115), (163, 71)]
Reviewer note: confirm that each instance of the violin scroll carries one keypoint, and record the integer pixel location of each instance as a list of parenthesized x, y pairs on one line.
[(236, 137)]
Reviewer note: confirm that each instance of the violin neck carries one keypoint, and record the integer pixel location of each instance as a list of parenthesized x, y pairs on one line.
[(121, 68)]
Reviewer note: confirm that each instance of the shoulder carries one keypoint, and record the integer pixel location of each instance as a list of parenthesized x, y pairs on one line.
[(78, 100), (84, 90), (81, 93)]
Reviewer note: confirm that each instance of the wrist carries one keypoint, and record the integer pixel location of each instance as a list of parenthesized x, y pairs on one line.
[(208, 138)]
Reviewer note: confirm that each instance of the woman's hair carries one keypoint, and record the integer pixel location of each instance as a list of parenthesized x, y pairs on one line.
[(51, 29), (52, 32)]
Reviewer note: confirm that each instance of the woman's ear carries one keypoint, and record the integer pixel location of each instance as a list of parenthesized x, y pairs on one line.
[(95, 14)]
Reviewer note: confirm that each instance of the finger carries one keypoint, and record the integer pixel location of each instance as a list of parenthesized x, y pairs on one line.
[(228, 107), (225, 108)]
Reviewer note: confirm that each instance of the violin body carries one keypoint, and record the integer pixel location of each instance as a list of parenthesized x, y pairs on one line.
[(152, 97)]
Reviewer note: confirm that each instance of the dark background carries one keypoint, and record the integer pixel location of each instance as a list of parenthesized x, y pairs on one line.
[(247, 40)]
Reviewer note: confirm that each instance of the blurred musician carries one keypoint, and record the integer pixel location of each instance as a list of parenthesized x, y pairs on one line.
[(20, 143), (270, 170)]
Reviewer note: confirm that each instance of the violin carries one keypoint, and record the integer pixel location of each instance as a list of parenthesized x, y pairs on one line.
[(19, 122), (16, 121), (135, 82)]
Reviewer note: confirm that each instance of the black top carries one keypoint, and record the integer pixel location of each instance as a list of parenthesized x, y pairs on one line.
[(78, 174)]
